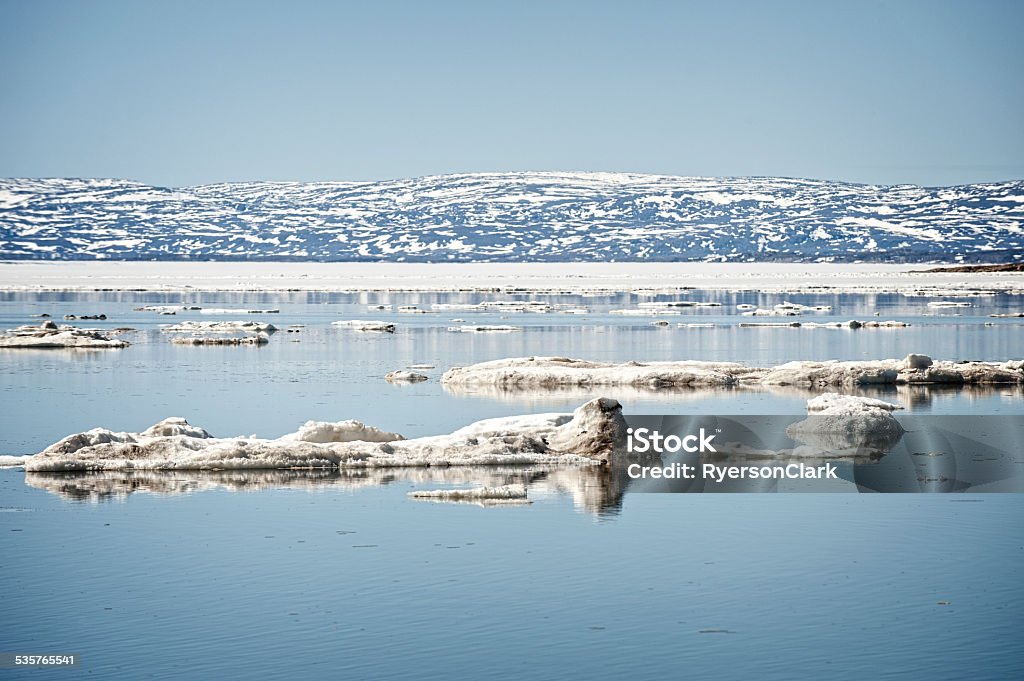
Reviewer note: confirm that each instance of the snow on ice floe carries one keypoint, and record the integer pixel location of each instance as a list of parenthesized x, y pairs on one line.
[(483, 495), (50, 335), (586, 437), (7, 461), (547, 373), (366, 325)]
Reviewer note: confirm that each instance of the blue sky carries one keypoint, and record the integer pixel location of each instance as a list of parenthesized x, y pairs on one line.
[(180, 93)]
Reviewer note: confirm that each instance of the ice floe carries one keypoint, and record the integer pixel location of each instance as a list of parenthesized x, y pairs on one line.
[(7, 461), (546, 373), (947, 303), (402, 376), (484, 328), (50, 335), (366, 325), (487, 495), (587, 436), (260, 338), (848, 424), (219, 327)]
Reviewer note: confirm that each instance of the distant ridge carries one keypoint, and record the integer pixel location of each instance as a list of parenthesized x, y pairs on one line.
[(514, 217)]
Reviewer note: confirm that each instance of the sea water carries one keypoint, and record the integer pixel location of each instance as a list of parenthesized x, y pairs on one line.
[(324, 575)]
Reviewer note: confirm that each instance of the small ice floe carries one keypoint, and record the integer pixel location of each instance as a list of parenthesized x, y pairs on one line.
[(219, 327), (7, 461), (166, 309), (746, 306), (86, 317), (769, 325), (469, 307), (646, 312), (50, 335), (695, 325), (854, 324), (422, 366), (261, 338), (575, 310), (366, 325), (378, 307), (484, 328), (402, 376), (797, 307), (235, 310), (487, 495), (1008, 315), (411, 309), (947, 303), (847, 425), (659, 322), (517, 306), (656, 305), (588, 436), (773, 312)]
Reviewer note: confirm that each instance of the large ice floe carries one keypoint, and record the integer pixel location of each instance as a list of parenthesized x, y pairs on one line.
[(587, 436), (552, 373), (50, 335)]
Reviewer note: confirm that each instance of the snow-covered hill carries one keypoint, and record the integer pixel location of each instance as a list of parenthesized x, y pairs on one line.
[(514, 217)]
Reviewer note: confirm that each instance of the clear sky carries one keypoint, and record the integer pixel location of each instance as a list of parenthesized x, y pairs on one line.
[(181, 92)]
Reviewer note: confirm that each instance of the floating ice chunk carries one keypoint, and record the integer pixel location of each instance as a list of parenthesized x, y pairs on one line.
[(49, 335), (364, 325), (848, 423), (402, 376), (947, 303), (554, 372), (695, 325), (774, 312), (1008, 315), (7, 461), (646, 312), (503, 493), (746, 306), (166, 309), (484, 328), (422, 366), (260, 338), (219, 327), (235, 310), (589, 435)]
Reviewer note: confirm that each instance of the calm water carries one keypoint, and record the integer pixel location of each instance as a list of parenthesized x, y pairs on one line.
[(271, 575)]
